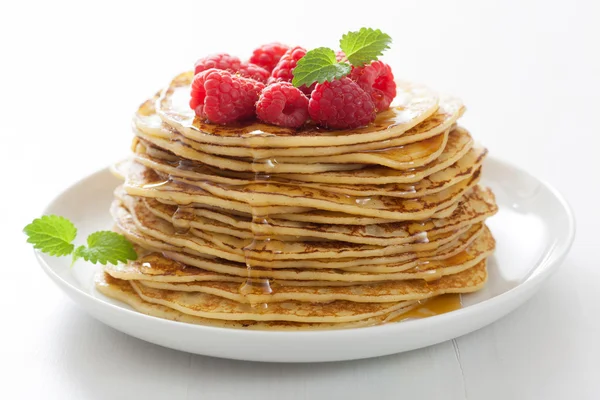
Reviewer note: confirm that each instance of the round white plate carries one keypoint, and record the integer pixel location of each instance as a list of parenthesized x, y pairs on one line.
[(533, 229)]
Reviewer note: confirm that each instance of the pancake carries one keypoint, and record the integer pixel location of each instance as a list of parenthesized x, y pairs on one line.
[(396, 290), (140, 183), (434, 183), (464, 168), (476, 206), (296, 271), (400, 271), (139, 219), (450, 109), (122, 291), (238, 164), (394, 208), (208, 259), (215, 307), (459, 143), (146, 183), (297, 213), (158, 268), (339, 218), (414, 104), (401, 157), (383, 292)]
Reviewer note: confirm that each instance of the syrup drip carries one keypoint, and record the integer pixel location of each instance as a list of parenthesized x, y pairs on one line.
[(436, 273), (157, 184), (262, 240), (431, 307), (182, 219)]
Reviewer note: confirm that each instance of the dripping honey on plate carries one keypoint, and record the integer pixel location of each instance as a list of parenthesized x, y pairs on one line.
[(431, 307)]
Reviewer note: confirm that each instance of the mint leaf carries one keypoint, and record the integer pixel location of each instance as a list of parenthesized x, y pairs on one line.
[(52, 235), (106, 247), (77, 254), (365, 45), (318, 65)]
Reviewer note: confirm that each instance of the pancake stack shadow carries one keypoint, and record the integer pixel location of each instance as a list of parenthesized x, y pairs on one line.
[(259, 227)]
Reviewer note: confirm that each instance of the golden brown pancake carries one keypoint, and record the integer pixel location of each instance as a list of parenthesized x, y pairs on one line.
[(122, 291), (414, 104), (216, 307), (462, 169), (275, 195), (389, 291), (459, 143), (450, 109), (138, 220), (476, 206), (379, 292)]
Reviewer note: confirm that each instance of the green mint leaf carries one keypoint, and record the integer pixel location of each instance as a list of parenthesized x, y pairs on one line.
[(52, 235), (106, 247), (77, 254), (319, 65), (364, 46)]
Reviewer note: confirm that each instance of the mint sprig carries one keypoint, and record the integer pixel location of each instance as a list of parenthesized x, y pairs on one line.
[(54, 235), (320, 65), (364, 46), (106, 246)]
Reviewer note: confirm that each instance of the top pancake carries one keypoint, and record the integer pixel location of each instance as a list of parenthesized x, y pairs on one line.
[(147, 123), (414, 104)]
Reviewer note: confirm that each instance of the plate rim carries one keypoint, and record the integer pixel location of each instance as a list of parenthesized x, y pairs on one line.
[(551, 264)]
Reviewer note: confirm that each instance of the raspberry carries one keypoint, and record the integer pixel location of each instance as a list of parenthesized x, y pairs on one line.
[(283, 70), (282, 104), (253, 71), (223, 97), (340, 55), (268, 55), (218, 61), (341, 104), (377, 80)]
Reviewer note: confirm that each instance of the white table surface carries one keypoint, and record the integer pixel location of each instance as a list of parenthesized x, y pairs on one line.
[(73, 73)]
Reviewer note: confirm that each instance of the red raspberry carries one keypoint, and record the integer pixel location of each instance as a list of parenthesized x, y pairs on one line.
[(218, 61), (268, 55), (222, 97), (283, 70), (340, 55), (283, 104), (341, 104), (253, 71), (377, 80)]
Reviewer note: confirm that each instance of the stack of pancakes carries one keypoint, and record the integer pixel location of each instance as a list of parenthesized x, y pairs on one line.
[(261, 227)]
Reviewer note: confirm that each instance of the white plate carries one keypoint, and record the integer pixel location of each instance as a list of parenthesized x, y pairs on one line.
[(534, 230)]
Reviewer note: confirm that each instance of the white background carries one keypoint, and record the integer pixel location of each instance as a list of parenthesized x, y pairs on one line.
[(71, 75)]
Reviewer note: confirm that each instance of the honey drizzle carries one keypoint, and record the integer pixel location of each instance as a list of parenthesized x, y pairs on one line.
[(262, 238), (182, 219), (431, 307)]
